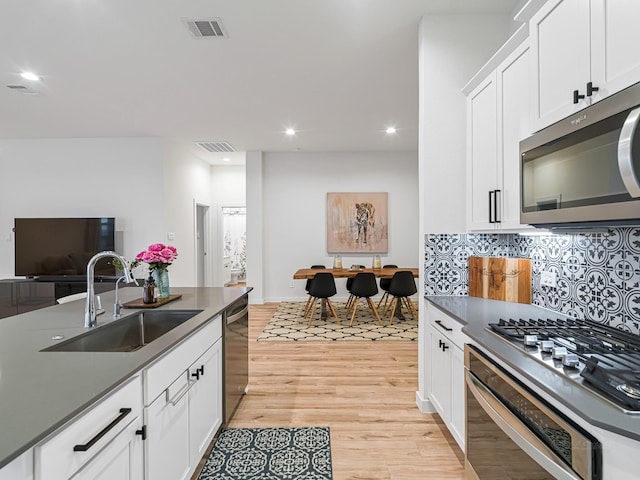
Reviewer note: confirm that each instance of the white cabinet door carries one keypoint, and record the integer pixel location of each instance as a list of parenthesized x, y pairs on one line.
[(560, 42), (205, 401), (615, 37), (120, 460), (457, 394), (482, 153), (441, 375), (167, 445), (514, 124)]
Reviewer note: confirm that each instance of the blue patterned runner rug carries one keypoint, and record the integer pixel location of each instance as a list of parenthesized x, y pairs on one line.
[(270, 454)]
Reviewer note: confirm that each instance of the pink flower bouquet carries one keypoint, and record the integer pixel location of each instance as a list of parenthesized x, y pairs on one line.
[(158, 256)]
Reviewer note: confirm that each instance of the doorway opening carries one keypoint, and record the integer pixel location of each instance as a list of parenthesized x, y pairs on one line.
[(202, 267), (234, 244)]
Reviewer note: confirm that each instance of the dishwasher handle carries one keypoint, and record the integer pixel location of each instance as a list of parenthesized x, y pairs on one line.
[(238, 316)]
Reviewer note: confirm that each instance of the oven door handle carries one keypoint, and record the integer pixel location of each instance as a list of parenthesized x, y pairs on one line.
[(517, 431), (626, 162)]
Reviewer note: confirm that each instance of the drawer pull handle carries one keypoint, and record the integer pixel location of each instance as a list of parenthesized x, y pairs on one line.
[(439, 322), (84, 447), (181, 394)]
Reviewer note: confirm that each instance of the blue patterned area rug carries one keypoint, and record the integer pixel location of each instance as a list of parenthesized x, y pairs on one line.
[(270, 454)]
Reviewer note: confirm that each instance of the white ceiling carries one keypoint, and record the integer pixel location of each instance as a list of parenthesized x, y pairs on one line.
[(338, 71)]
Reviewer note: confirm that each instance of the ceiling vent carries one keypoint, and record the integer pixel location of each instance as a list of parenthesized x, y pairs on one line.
[(207, 28), (22, 89), (217, 147)]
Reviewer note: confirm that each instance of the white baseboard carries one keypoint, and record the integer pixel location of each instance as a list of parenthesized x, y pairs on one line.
[(424, 404)]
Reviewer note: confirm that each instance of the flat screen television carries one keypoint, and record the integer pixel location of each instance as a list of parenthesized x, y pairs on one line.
[(61, 247)]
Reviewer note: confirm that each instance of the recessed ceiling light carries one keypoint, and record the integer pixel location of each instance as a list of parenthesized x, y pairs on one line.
[(30, 76), (290, 131), (391, 130), (226, 159)]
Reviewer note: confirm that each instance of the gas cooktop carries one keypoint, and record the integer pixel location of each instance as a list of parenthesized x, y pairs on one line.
[(603, 359)]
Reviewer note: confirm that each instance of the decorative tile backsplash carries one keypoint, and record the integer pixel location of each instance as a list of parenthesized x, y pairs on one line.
[(598, 274)]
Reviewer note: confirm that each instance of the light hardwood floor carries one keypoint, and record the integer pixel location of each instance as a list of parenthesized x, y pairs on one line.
[(363, 391)]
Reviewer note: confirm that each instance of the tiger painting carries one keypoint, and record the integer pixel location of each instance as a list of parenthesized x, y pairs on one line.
[(364, 217)]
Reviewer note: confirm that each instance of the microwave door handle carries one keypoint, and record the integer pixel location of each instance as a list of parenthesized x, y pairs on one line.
[(625, 153), (517, 431)]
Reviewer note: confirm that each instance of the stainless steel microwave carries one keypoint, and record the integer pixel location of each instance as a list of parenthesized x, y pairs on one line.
[(584, 171)]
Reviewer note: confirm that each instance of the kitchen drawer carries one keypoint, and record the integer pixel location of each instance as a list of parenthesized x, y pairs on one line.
[(174, 363), (56, 458), (446, 325)]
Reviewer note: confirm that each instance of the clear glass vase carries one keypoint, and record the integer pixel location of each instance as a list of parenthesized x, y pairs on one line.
[(161, 276)]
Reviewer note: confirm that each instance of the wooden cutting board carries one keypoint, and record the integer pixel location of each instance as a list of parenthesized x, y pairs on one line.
[(500, 278)]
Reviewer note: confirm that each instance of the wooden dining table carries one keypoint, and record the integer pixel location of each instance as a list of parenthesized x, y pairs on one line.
[(348, 272)]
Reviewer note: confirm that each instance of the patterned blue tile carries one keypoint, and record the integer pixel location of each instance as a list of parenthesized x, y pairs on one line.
[(598, 274)]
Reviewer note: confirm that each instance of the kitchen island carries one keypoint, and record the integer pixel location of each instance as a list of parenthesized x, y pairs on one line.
[(40, 392)]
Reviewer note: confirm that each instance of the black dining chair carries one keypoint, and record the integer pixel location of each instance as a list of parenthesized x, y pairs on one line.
[(308, 286), (322, 287), (384, 286), (348, 286), (401, 288), (364, 286)]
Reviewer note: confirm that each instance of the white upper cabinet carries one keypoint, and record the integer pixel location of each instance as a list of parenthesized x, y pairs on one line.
[(497, 119), (482, 154), (514, 124), (581, 52)]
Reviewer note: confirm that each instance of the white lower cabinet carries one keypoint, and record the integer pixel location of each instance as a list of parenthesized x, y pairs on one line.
[(103, 443), (167, 420), (182, 420), (205, 402), (447, 370)]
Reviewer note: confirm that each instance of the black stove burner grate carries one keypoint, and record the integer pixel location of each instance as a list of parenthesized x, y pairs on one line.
[(608, 358)]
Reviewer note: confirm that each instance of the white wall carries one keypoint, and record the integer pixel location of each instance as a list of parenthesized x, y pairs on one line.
[(187, 181), (295, 187), (92, 177)]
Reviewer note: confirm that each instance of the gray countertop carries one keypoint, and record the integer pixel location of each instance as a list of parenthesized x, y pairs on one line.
[(477, 313), (41, 391)]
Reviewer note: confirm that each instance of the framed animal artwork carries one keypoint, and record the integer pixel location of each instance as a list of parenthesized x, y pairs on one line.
[(357, 222)]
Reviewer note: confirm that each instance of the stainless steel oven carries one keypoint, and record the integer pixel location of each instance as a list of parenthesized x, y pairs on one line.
[(512, 433), (585, 169)]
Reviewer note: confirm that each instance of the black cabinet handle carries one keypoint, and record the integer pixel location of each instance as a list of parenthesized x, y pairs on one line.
[(439, 343), (84, 447), (491, 194), (201, 370), (576, 96), (445, 347), (591, 89), (495, 206), (142, 432), (439, 322), (196, 374)]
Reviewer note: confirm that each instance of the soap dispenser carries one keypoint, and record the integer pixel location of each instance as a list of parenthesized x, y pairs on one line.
[(149, 290)]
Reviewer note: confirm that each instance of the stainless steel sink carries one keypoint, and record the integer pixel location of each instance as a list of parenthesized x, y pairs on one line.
[(126, 334)]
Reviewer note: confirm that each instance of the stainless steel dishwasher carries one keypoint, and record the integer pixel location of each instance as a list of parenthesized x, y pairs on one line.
[(236, 354)]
